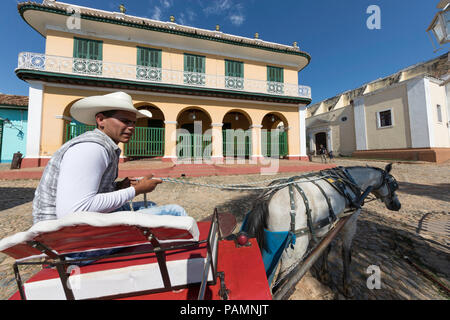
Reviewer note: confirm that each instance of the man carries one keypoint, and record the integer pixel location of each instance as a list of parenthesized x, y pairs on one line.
[(81, 175), (323, 153)]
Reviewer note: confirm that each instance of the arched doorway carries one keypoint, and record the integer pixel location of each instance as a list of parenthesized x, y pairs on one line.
[(274, 141), (321, 139), (148, 137), (193, 134), (236, 134)]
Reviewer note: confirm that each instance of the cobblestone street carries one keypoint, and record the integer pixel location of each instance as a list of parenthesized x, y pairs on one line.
[(419, 231)]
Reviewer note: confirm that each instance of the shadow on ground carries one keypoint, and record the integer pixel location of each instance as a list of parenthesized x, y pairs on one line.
[(438, 191), (13, 197), (386, 246), (240, 206)]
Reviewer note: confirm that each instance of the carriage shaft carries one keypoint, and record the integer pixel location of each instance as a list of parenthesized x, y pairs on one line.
[(298, 272)]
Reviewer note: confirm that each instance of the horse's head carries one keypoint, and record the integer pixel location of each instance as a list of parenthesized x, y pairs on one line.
[(385, 190)]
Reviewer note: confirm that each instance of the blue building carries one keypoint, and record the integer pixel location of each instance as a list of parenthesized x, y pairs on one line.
[(13, 125)]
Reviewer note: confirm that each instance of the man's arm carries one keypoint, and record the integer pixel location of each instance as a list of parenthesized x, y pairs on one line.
[(82, 168)]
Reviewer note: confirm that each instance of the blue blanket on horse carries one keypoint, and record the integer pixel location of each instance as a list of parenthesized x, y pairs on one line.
[(276, 243)]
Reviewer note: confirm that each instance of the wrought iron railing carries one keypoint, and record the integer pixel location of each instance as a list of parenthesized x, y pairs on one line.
[(73, 130), (195, 146), (274, 143), (149, 142), (145, 142), (98, 68), (237, 143)]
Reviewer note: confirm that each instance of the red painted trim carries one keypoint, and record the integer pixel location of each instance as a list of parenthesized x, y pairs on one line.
[(34, 162), (437, 155)]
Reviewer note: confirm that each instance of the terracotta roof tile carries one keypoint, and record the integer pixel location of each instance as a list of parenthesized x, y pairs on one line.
[(14, 100)]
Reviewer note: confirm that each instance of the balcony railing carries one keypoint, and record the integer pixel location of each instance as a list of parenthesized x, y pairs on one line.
[(98, 68)]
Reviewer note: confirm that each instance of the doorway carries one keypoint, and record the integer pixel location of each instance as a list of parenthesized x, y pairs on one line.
[(321, 139)]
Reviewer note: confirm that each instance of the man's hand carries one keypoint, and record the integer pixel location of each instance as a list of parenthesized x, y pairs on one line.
[(125, 183), (146, 184)]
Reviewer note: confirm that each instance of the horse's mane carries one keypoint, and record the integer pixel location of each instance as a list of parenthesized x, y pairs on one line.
[(256, 222)]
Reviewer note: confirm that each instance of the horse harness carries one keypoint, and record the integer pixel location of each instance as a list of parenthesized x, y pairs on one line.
[(341, 180)]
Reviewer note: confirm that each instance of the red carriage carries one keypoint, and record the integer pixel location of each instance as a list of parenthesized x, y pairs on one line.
[(161, 257)]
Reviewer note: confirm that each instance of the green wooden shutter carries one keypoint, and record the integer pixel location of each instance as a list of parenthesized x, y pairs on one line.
[(148, 60), (275, 74), (155, 58), (88, 49), (148, 57), (80, 48), (140, 57), (201, 64), (187, 63), (275, 80), (194, 63), (234, 69)]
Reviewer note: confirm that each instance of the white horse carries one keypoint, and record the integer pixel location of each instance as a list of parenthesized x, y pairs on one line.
[(273, 213)]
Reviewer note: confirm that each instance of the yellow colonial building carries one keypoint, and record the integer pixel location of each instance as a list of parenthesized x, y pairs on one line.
[(211, 94)]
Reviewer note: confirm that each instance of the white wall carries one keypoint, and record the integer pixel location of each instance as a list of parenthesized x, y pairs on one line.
[(360, 124), (420, 113), (34, 120)]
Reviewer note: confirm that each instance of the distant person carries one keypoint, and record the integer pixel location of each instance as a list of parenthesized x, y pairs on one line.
[(323, 153), (330, 155)]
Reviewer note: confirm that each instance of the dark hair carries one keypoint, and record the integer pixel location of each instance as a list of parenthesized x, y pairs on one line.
[(107, 114)]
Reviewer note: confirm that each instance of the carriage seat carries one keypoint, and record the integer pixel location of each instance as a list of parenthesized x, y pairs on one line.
[(110, 276)]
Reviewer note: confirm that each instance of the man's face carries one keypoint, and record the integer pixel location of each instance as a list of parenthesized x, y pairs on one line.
[(119, 127)]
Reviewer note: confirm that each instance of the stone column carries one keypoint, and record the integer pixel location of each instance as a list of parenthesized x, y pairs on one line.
[(330, 139), (34, 126), (217, 143), (256, 142), (302, 129), (312, 143), (170, 141), (123, 157)]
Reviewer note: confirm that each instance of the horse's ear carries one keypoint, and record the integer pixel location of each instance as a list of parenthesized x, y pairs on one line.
[(388, 167)]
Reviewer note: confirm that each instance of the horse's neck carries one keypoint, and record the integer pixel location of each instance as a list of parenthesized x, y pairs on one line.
[(365, 177)]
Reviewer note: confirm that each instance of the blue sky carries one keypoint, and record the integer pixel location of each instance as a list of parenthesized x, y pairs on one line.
[(345, 52)]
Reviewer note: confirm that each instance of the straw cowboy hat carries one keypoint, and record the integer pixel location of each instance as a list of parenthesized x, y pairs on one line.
[(84, 110)]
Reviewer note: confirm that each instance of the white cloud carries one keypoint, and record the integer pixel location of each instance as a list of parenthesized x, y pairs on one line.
[(156, 13), (181, 19), (218, 6), (237, 19), (166, 3)]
